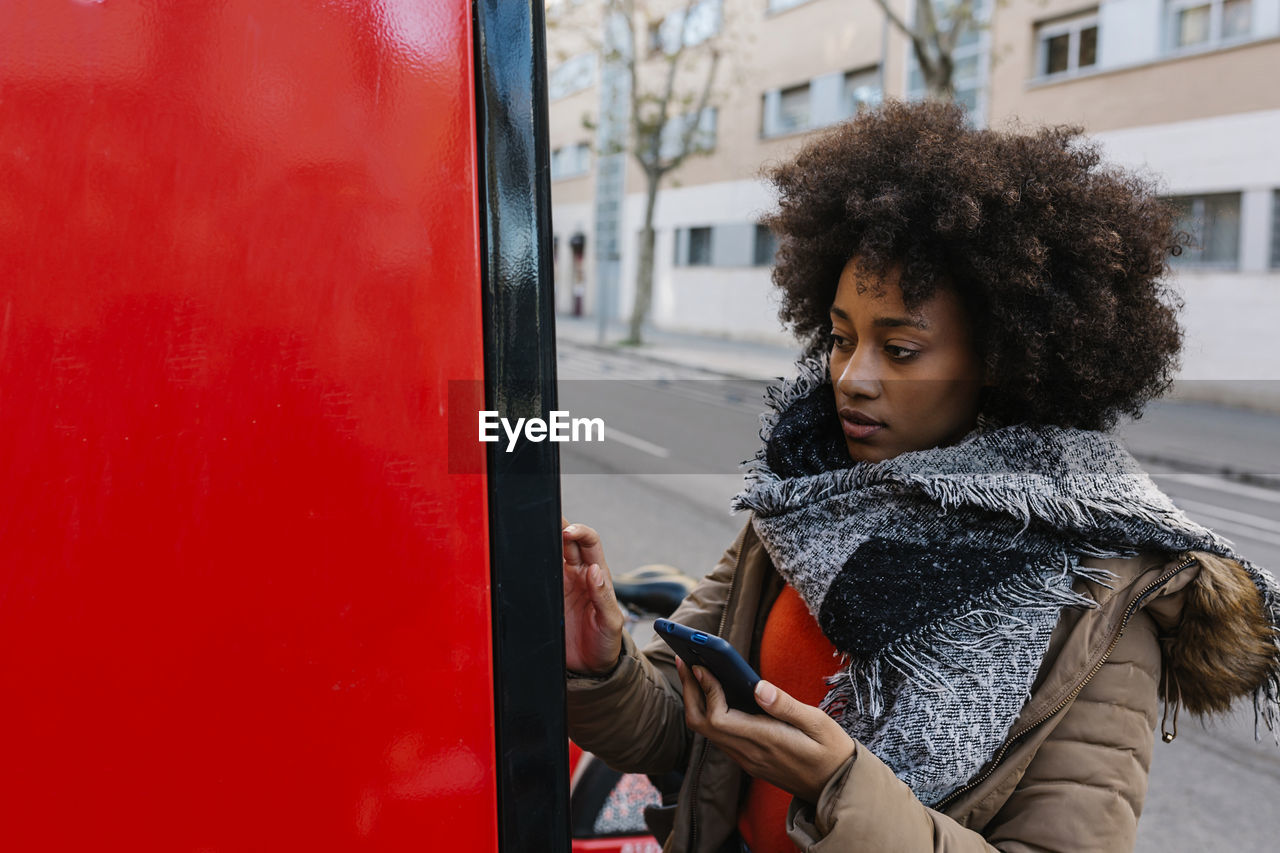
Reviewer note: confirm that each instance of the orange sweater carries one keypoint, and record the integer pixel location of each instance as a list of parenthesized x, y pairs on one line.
[(797, 657)]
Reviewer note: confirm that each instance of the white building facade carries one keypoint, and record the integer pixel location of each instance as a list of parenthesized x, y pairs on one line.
[(1181, 88)]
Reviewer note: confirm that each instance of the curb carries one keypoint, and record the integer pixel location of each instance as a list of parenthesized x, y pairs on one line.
[(666, 361)]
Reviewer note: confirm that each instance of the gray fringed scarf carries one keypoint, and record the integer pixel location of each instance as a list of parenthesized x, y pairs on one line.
[(939, 574)]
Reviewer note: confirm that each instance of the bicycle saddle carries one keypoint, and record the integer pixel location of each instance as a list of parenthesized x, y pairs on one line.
[(655, 589)]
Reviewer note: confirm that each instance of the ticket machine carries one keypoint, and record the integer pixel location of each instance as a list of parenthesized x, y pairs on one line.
[(260, 587)]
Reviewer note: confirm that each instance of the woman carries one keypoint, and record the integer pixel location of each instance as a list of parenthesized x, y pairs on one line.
[(965, 598)]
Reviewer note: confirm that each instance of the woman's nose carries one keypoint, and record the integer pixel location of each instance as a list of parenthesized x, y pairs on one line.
[(858, 376)]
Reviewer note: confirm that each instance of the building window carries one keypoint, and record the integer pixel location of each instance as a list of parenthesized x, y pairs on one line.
[(1275, 230), (1237, 18), (819, 102), (1195, 23), (703, 139), (1213, 221), (693, 247), (766, 246), (785, 111), (793, 109), (1190, 25), (1066, 47), (703, 22), (570, 161), (699, 254), (860, 87), (572, 75)]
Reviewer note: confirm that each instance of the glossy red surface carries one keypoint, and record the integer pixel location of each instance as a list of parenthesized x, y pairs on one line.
[(243, 605), (627, 844)]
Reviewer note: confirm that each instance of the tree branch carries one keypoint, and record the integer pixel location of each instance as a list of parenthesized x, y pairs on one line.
[(927, 23), (626, 10), (894, 19), (960, 16), (918, 45), (694, 123)]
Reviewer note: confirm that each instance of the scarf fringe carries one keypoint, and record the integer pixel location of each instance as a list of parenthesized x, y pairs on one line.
[(1266, 698), (931, 657), (810, 373), (767, 496)]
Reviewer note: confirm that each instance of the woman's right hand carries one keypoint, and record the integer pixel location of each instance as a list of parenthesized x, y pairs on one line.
[(593, 621)]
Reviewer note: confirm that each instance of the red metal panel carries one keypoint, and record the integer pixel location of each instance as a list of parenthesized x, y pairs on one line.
[(242, 604)]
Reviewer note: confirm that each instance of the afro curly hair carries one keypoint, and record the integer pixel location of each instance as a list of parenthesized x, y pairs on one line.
[(1059, 260)]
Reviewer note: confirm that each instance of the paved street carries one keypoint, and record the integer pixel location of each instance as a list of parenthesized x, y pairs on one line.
[(658, 490)]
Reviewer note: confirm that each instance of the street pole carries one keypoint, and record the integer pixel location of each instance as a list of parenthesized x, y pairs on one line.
[(611, 139)]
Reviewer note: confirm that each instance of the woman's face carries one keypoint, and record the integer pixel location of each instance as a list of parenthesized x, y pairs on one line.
[(903, 380)]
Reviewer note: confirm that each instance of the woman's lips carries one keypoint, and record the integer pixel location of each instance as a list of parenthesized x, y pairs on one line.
[(858, 425)]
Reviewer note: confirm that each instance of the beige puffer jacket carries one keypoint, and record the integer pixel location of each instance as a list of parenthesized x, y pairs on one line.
[(1190, 628)]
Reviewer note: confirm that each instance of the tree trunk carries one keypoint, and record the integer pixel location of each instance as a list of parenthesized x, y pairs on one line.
[(644, 266), (938, 78)]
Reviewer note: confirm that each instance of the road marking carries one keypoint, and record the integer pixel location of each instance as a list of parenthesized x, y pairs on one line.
[(615, 434), (1230, 487), (1254, 527), (1245, 518)]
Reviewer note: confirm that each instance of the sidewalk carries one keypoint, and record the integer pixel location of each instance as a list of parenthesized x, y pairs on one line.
[(736, 359), (1196, 437)]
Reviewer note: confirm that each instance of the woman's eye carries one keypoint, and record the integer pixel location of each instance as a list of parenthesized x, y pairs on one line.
[(840, 342), (900, 353)]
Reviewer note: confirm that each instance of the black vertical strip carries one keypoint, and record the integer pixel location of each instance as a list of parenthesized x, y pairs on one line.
[(520, 381)]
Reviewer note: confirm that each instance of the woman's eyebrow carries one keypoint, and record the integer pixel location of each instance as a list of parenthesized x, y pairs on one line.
[(913, 322), (885, 322)]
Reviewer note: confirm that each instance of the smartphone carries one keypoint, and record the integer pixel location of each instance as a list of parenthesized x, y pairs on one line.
[(711, 652)]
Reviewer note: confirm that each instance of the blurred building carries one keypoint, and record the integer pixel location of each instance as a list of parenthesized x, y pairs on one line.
[(1183, 88)]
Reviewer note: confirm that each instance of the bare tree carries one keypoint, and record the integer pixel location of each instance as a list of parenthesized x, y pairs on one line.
[(672, 54), (654, 99), (934, 32)]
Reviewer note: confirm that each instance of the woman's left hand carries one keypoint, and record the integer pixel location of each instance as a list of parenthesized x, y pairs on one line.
[(797, 747)]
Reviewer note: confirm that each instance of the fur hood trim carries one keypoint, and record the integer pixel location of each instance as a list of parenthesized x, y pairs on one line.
[(1225, 645)]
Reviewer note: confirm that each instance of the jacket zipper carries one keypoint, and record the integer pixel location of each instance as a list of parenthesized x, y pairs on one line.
[(702, 751), (1129, 611)]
